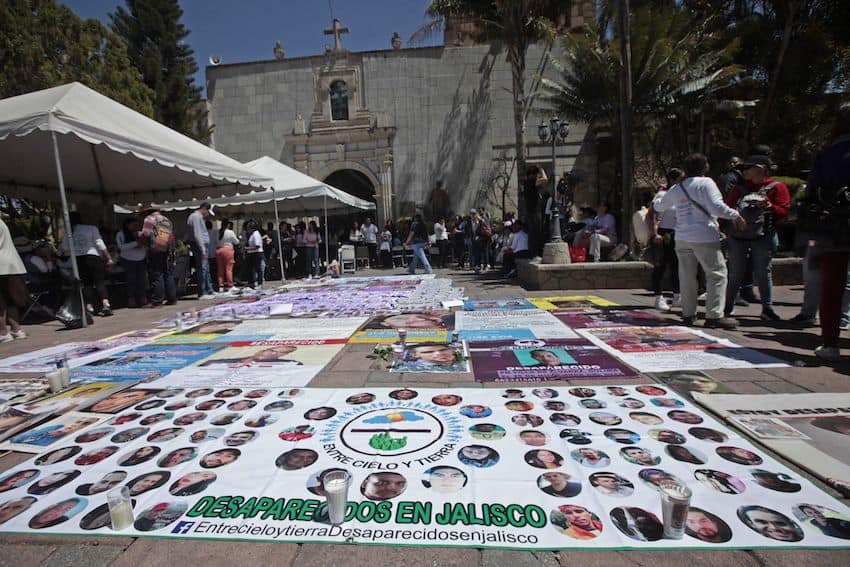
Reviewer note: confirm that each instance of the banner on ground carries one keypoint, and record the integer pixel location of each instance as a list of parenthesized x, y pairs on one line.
[(499, 304), (689, 382), (610, 318), (575, 302), (273, 363), (143, 363), (431, 357), (659, 349), (501, 325), (538, 359), (429, 326), (75, 354), (811, 430), (485, 468), (56, 431)]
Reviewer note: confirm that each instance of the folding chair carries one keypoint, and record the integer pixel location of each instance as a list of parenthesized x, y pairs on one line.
[(36, 292), (347, 257), (361, 253)]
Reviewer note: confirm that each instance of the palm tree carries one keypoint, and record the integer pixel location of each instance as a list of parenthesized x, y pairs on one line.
[(517, 24), (677, 65)]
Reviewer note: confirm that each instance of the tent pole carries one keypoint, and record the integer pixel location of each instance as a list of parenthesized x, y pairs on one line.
[(277, 230), (69, 235), (327, 249)]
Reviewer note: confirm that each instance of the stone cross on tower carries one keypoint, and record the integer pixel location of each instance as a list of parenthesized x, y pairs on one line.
[(336, 30)]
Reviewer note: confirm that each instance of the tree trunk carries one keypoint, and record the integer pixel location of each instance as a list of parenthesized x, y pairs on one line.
[(517, 60), (793, 7), (626, 142)]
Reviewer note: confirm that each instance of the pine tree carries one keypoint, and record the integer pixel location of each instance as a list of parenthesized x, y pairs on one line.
[(156, 42), (44, 44)]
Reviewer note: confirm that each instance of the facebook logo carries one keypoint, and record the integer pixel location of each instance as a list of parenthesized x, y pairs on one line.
[(182, 527)]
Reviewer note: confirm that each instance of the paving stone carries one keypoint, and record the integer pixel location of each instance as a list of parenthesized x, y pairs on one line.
[(778, 558), (506, 558), (83, 555), (23, 555), (150, 552), (747, 387), (658, 558), (317, 555), (783, 387)]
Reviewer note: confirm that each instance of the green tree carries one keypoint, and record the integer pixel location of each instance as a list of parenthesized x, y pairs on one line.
[(157, 46), (44, 44), (517, 24), (678, 64)]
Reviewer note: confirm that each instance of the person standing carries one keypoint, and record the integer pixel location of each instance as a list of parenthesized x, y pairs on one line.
[(828, 191), (387, 246), (418, 239), (199, 239), (698, 204), (663, 229), (370, 237), (441, 235), (535, 182), (764, 203), (211, 247), (158, 237), (311, 242), (133, 258), (225, 255), (88, 246), (14, 294), (254, 255)]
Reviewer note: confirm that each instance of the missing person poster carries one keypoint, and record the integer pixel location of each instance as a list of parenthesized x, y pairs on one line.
[(537, 359), (595, 318), (660, 349), (571, 302), (811, 430), (426, 326), (474, 467), (500, 325)]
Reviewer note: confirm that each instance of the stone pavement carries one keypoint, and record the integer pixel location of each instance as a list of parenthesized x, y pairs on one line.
[(353, 368)]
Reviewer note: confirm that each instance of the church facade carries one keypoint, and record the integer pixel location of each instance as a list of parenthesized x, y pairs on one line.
[(425, 129)]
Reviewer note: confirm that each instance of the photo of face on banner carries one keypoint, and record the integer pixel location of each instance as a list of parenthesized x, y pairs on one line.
[(543, 357), (611, 484), (558, 484), (707, 527), (12, 508), (576, 522), (487, 431), (720, 481), (637, 523), (381, 486), (58, 513), (160, 515), (431, 357), (444, 479), (770, 523), (827, 521)]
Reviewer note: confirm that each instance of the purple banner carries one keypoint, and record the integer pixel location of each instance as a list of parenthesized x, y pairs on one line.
[(529, 360)]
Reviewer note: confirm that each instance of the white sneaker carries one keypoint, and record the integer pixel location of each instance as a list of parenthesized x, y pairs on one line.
[(677, 300), (19, 334), (7, 338), (831, 354), (701, 297), (661, 303)]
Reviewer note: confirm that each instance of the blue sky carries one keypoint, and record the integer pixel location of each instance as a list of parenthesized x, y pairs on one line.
[(245, 30)]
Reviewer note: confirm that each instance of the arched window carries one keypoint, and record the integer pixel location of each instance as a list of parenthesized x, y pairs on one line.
[(339, 101)]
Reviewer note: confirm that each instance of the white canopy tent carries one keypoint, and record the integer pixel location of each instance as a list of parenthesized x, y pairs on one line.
[(291, 192), (106, 152)]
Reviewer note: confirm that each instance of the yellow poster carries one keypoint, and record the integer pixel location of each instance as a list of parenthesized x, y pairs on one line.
[(567, 302)]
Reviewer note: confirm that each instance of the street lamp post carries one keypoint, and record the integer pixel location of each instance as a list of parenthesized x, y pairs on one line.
[(555, 133)]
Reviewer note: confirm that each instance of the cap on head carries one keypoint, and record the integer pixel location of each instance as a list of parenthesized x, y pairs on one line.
[(208, 206), (472, 211), (762, 161)]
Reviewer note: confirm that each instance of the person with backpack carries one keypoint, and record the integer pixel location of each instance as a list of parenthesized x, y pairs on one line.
[(157, 235), (698, 203), (132, 256), (763, 202), (418, 238)]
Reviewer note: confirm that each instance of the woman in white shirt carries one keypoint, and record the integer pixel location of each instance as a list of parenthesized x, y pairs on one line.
[(225, 254), (355, 235), (441, 235), (132, 256), (88, 246), (254, 254), (387, 246)]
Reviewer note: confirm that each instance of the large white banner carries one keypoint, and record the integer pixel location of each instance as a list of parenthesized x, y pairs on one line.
[(510, 324), (538, 468)]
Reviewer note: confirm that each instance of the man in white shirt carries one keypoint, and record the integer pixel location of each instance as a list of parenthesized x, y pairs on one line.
[(518, 249), (199, 239), (698, 205), (370, 237)]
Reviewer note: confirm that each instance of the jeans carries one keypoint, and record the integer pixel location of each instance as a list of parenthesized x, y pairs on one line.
[(761, 250), (708, 255), (136, 276), (202, 270), (161, 272), (668, 260), (312, 260), (419, 256)]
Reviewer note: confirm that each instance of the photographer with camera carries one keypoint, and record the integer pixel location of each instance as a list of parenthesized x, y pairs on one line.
[(825, 213), (763, 202)]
